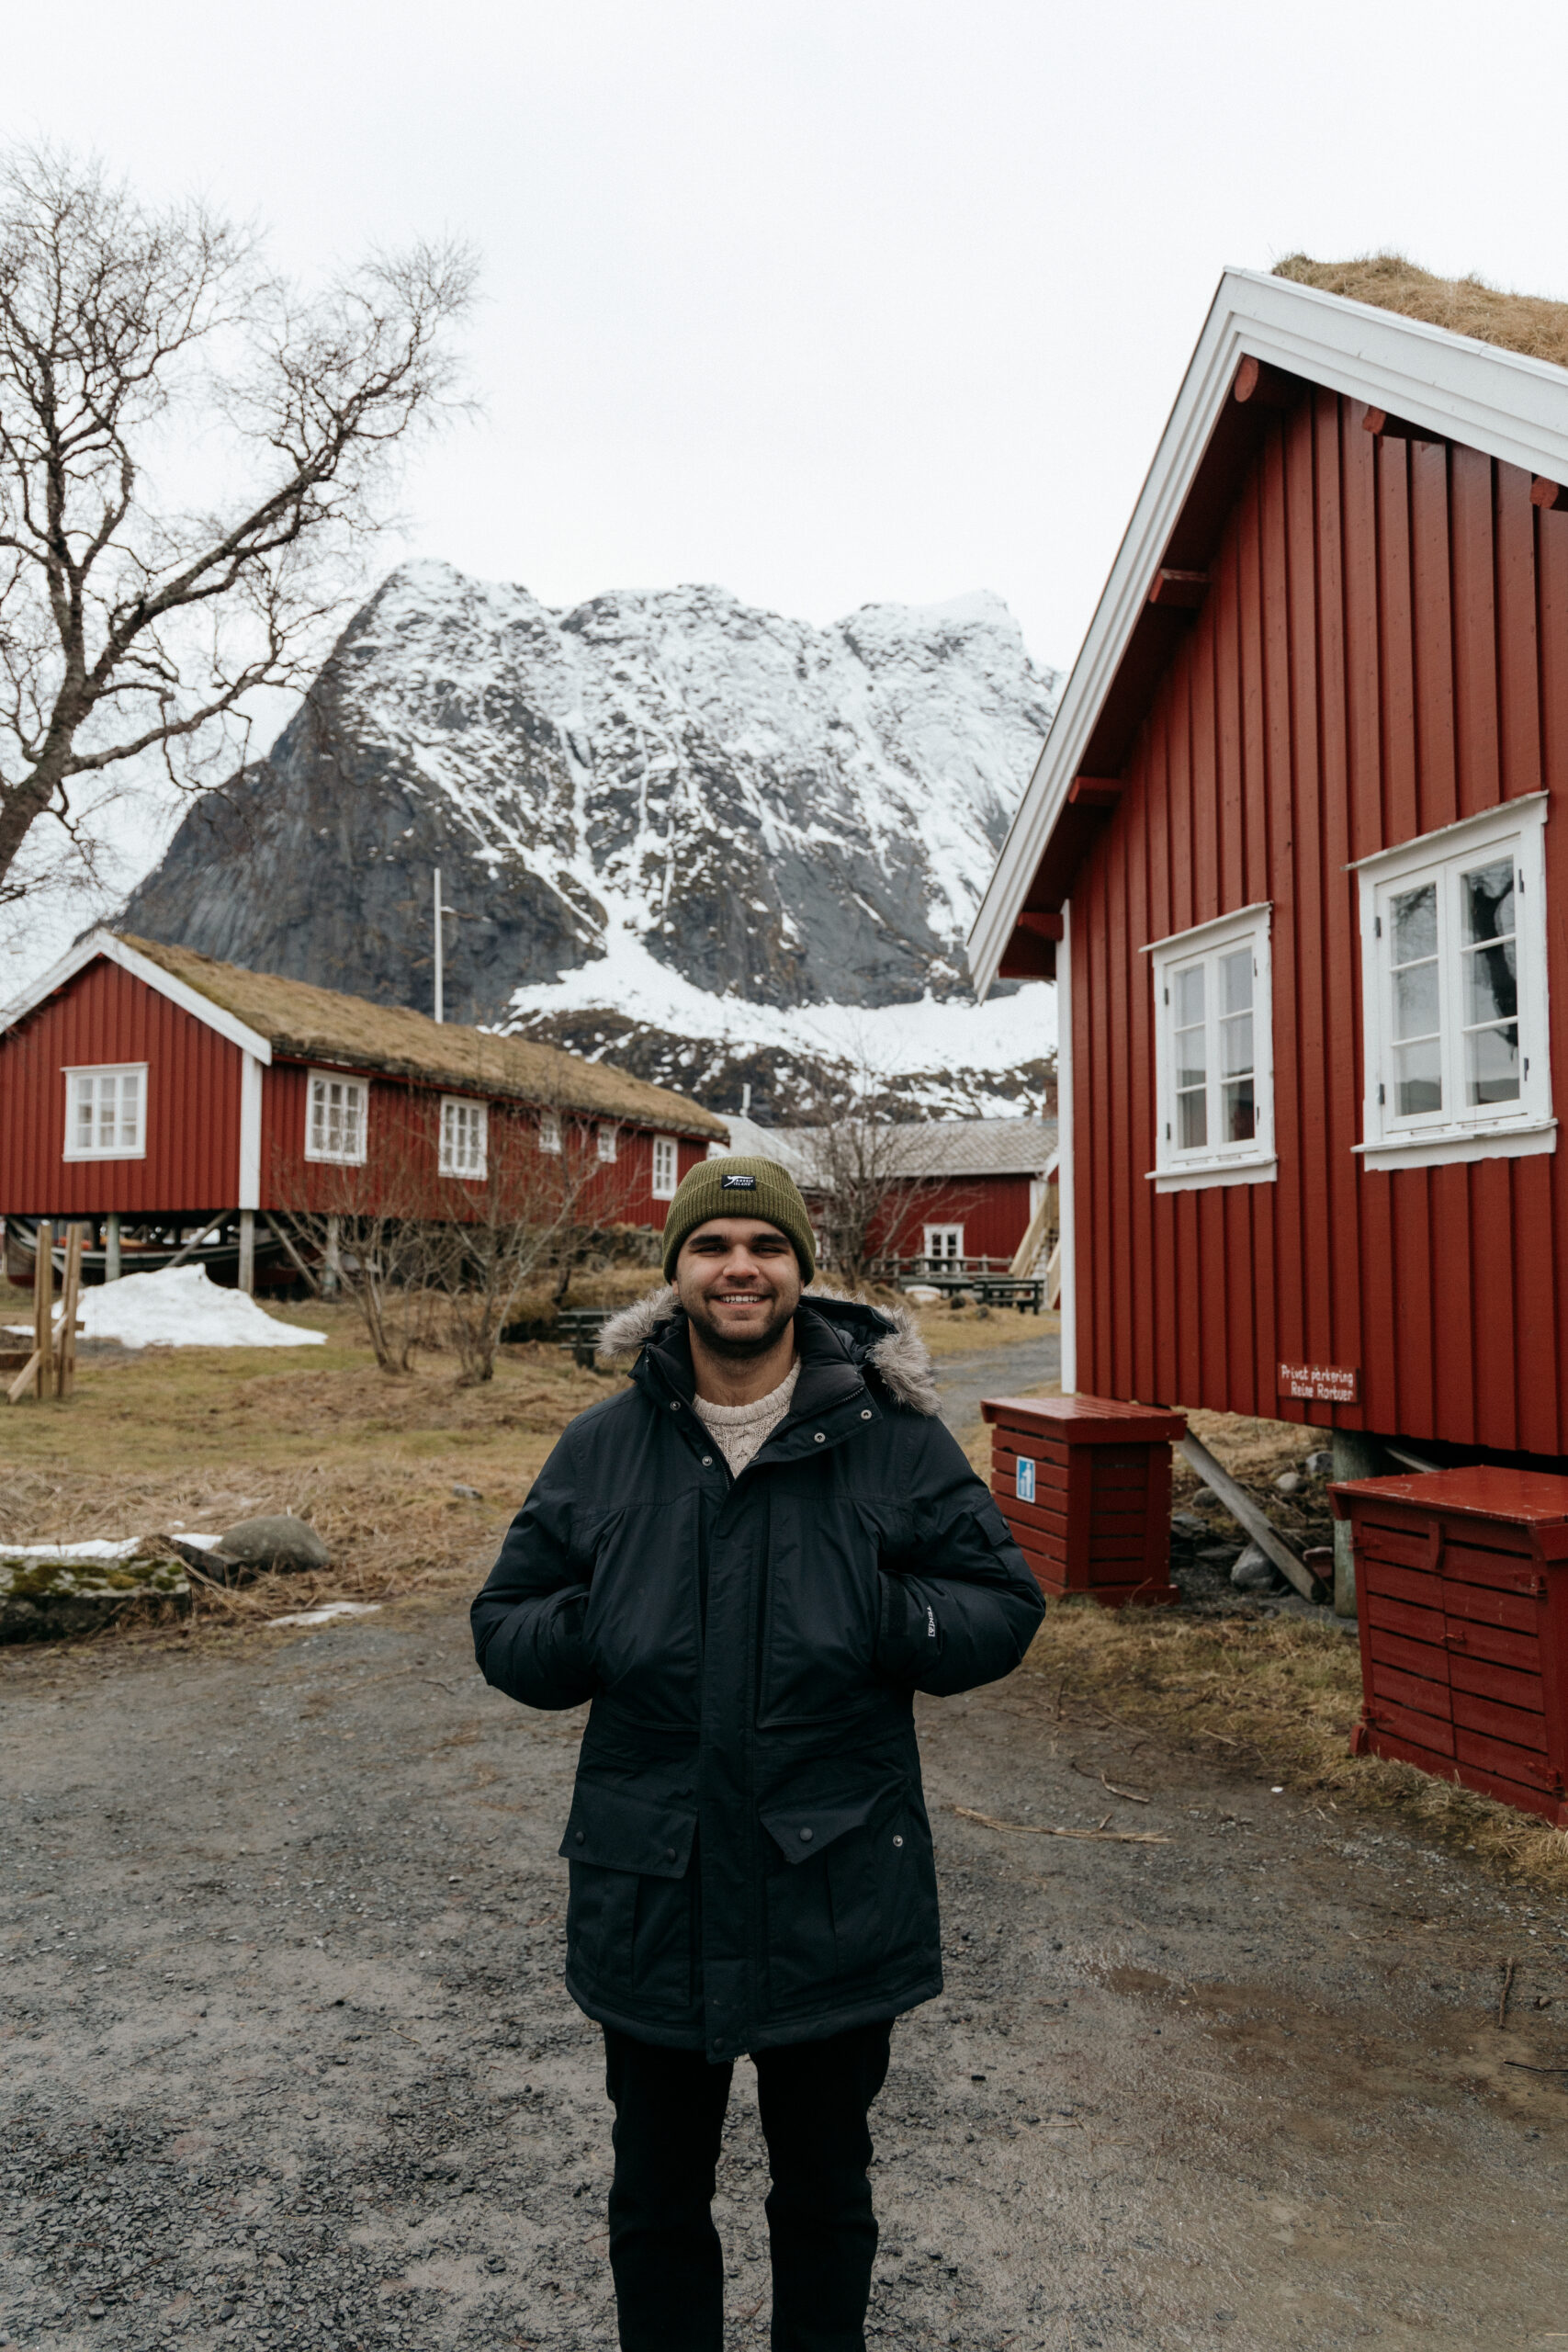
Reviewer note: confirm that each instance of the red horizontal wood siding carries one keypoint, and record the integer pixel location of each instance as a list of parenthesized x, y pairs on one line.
[(403, 1130), (1383, 649), (993, 1210), (106, 1015)]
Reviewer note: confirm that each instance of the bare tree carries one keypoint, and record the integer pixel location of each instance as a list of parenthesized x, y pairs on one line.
[(135, 343), (869, 1191), (526, 1215)]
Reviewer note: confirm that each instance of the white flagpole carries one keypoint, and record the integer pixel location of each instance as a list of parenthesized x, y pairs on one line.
[(440, 974)]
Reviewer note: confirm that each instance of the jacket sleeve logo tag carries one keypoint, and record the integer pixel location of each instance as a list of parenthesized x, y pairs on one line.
[(1025, 1479), (738, 1183)]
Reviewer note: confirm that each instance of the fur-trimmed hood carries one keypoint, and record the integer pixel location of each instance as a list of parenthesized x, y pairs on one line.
[(885, 1338)]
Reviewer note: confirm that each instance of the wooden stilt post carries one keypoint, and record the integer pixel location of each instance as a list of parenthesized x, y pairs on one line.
[(111, 1246), (43, 1308), (70, 1300), (248, 1252)]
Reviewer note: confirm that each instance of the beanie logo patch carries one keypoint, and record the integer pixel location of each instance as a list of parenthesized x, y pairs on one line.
[(738, 1183)]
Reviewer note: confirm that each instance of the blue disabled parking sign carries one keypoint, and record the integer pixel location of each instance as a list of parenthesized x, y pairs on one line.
[(1025, 1479)]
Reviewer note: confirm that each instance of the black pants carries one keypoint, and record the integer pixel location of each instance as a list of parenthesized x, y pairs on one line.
[(664, 2249)]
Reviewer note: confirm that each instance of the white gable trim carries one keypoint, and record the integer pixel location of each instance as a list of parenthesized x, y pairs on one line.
[(1513, 408), (140, 967)]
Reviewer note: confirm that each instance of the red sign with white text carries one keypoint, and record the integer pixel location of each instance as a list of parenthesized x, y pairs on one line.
[(1321, 1384)]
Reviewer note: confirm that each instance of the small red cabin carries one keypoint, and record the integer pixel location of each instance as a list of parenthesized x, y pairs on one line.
[(148, 1087), (1296, 850), (959, 1194)]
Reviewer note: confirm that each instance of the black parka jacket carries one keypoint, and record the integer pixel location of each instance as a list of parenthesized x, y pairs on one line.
[(750, 1858)]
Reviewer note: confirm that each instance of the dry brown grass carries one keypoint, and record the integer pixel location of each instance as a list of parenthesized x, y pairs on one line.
[(1527, 323), (187, 1439), (1274, 1699)]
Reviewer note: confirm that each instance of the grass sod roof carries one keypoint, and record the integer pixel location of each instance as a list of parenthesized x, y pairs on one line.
[(1467, 306), (307, 1023)]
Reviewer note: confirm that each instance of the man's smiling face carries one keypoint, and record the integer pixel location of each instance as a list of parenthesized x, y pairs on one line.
[(739, 1280)]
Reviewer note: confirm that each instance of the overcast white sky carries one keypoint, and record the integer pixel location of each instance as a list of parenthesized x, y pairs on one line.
[(828, 300)]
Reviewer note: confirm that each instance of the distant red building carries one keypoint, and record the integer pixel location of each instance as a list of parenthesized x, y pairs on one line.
[(150, 1090), (962, 1192)]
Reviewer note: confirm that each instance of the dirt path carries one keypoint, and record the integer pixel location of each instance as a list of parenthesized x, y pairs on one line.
[(287, 2062), (1020, 1367)]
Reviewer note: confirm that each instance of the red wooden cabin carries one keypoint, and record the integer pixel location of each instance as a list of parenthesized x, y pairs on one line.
[(149, 1087), (963, 1193), (1289, 853)]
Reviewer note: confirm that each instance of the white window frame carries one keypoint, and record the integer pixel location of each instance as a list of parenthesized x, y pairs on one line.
[(1453, 1132), (1254, 1160), (609, 1142), (464, 1138), (359, 1087), (117, 1150), (549, 1131), (936, 1256), (666, 1167)]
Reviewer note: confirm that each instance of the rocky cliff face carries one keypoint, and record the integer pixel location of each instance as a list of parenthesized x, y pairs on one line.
[(653, 806)]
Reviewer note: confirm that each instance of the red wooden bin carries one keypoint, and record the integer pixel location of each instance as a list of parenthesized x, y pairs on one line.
[(1461, 1592), (1085, 1486)]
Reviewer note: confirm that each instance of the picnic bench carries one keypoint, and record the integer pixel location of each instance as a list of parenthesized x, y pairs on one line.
[(1026, 1292), (578, 1329)]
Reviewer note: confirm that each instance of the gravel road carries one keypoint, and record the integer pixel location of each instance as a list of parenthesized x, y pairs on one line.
[(287, 2062), (963, 1380)]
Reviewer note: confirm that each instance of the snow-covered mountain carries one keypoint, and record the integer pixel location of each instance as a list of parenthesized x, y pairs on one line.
[(712, 843)]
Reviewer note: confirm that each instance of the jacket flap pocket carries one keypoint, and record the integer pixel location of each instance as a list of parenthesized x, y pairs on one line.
[(804, 1829), (617, 1832)]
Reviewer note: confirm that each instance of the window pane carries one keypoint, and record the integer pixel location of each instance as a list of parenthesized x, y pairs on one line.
[(106, 1114), (1236, 1045), (129, 1109), (1416, 1002), (1414, 923), (1418, 1085), (1186, 995), (1492, 986), (84, 1087), (1487, 896), (1235, 981), (1493, 1065), (1240, 1112), (1192, 1120)]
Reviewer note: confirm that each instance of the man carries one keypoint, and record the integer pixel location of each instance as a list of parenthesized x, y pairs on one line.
[(749, 1560)]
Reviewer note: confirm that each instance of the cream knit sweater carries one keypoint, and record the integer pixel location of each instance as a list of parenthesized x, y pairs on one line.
[(739, 1429)]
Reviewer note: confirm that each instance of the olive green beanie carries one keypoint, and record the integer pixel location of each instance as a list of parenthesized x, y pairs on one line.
[(738, 1186)]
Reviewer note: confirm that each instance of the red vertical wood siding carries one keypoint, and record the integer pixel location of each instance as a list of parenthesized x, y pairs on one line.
[(106, 1015), (1383, 649)]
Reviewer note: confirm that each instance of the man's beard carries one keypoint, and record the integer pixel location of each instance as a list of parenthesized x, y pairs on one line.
[(739, 1350)]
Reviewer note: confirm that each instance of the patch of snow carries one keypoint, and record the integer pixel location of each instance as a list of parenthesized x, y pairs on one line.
[(181, 1306), (102, 1547), (887, 1041), (329, 1608)]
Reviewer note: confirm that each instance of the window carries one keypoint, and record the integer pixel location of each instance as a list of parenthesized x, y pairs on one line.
[(335, 1119), (609, 1142), (549, 1131), (105, 1112), (1453, 945), (1213, 1055), (945, 1245), (465, 1137), (666, 1167)]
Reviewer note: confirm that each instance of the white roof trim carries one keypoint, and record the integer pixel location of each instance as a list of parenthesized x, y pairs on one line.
[(1512, 407), (140, 967)]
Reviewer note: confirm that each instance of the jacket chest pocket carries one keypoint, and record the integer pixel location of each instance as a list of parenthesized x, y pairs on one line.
[(846, 1891), (822, 1603)]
